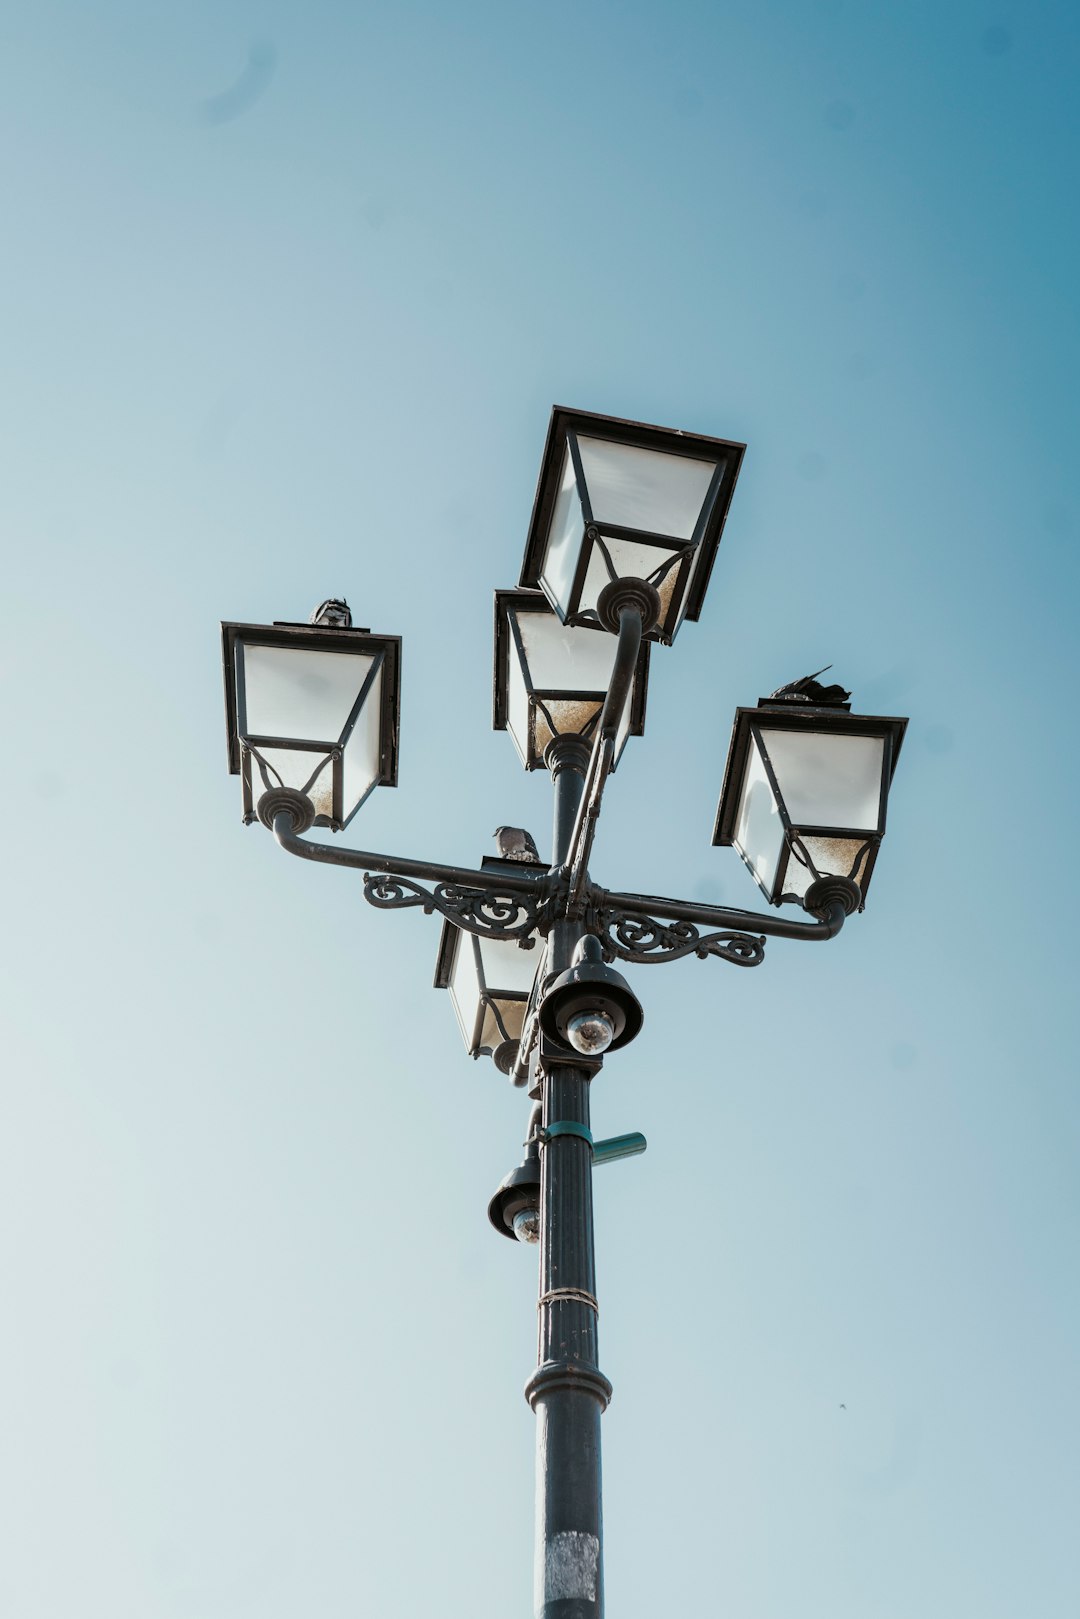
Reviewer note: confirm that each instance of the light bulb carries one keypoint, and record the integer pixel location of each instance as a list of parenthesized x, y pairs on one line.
[(527, 1225), (590, 1032)]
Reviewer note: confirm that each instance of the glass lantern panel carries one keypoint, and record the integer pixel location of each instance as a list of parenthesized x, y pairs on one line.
[(828, 778), (647, 489), (692, 572), (294, 767), (759, 831), (631, 560), (569, 716), (562, 657), (362, 754), (464, 987), (834, 857), (518, 708), (512, 1015), (564, 537), (507, 965), (299, 692)]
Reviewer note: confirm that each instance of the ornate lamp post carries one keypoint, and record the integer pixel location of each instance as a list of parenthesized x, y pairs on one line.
[(624, 534)]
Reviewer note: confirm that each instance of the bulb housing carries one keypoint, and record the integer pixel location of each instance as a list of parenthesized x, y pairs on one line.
[(580, 1004), (590, 1032), (514, 1210)]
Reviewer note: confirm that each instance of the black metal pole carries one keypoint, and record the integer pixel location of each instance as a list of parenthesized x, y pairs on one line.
[(568, 1392)]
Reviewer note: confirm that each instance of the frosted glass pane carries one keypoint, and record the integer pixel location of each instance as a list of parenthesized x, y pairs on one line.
[(646, 489), (630, 560), (564, 536), (570, 717), (361, 756), (507, 966), (291, 691), (834, 857), (561, 657), (284, 767), (828, 779), (512, 1014), (464, 988), (759, 831), (695, 566), (517, 706)]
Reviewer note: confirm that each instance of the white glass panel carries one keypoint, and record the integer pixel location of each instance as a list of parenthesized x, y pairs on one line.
[(696, 564), (512, 1014), (285, 767), (564, 537), (517, 705), (646, 489), (630, 561), (561, 657), (834, 857), (362, 754), (507, 966), (826, 778), (759, 831), (291, 691), (464, 988)]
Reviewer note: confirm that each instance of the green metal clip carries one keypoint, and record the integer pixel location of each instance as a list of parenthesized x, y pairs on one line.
[(566, 1127)]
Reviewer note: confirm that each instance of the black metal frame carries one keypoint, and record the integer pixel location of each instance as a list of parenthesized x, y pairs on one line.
[(754, 725), (562, 436), (508, 643), (243, 748)]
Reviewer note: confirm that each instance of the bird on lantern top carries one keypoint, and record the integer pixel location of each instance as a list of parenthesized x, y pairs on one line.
[(514, 843), (334, 613), (810, 690)]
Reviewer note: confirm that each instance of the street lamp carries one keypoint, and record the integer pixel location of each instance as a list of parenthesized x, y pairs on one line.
[(551, 679), (624, 532), (619, 500), (312, 708), (805, 790)]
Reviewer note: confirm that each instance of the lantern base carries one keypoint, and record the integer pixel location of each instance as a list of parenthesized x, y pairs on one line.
[(826, 891), (636, 593), (505, 1056), (286, 801)]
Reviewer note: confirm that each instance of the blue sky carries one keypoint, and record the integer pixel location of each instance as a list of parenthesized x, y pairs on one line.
[(289, 293)]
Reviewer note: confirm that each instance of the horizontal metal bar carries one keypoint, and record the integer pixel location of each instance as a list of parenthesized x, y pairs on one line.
[(503, 882)]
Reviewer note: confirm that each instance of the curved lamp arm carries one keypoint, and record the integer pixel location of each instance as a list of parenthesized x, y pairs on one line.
[(510, 882), (503, 905), (675, 923)]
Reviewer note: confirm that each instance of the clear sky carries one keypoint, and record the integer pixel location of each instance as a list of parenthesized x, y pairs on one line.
[(288, 293)]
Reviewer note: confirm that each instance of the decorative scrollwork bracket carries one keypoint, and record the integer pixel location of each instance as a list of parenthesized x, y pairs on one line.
[(644, 939), (490, 913)]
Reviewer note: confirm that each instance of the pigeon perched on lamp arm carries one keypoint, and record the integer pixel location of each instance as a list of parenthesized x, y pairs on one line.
[(810, 690), (514, 843)]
